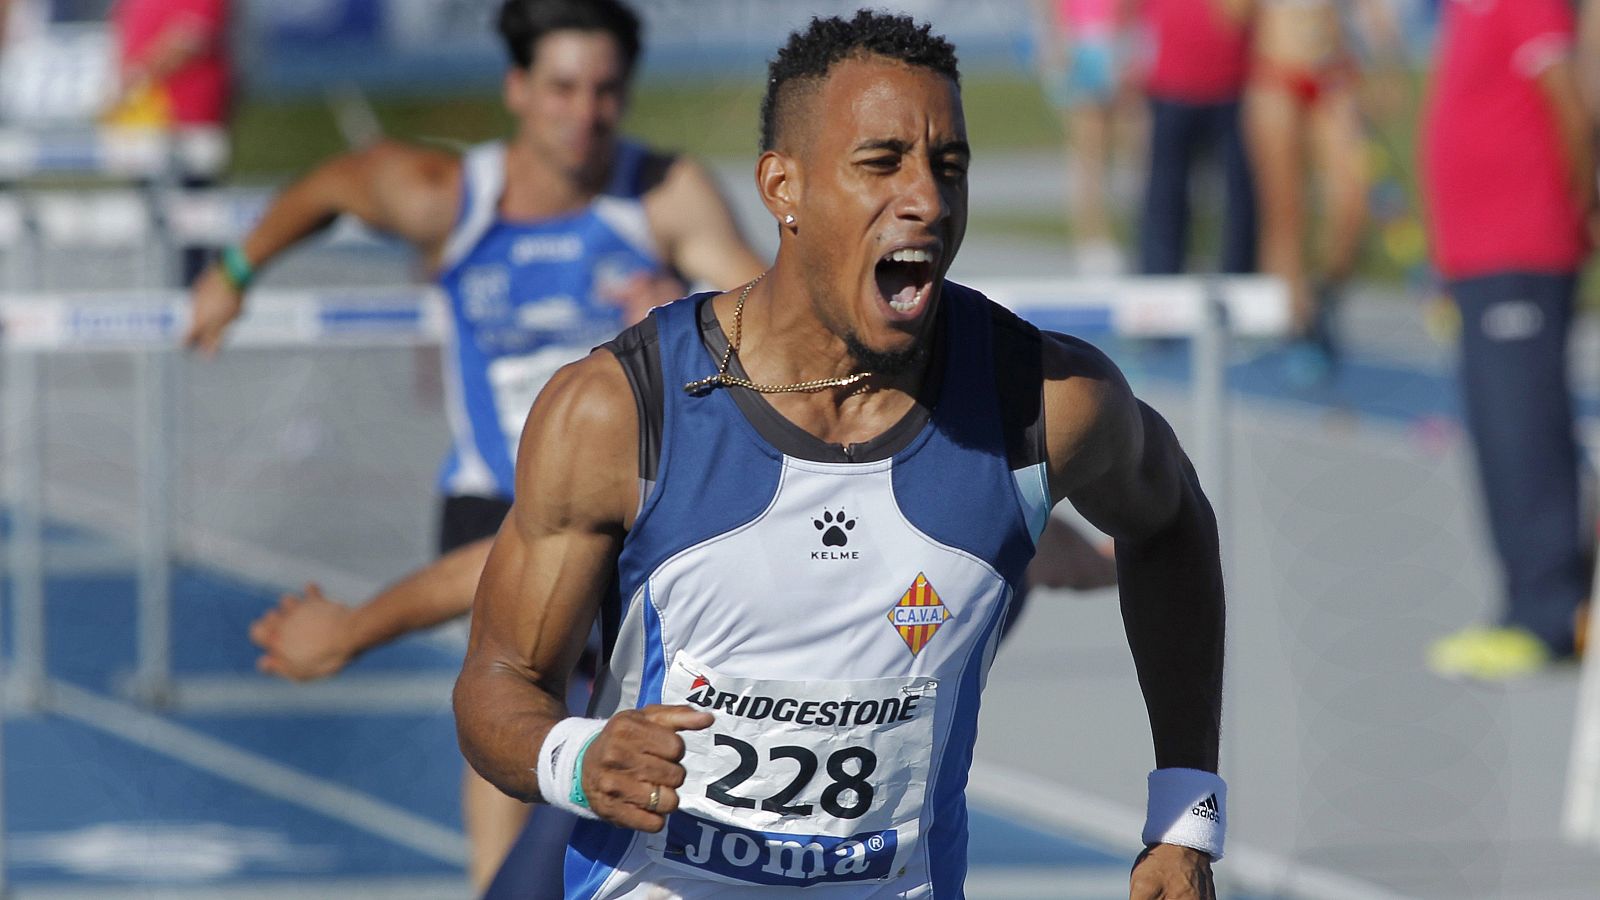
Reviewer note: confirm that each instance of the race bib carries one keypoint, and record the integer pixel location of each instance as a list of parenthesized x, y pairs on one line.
[(516, 382), (799, 782)]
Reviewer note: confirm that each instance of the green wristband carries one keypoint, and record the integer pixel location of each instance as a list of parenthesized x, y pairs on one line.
[(236, 267), (578, 796)]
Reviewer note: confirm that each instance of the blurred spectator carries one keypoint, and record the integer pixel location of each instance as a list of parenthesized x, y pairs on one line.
[(1508, 158), (1194, 71), (173, 76), (1303, 116), (1085, 66), (172, 66)]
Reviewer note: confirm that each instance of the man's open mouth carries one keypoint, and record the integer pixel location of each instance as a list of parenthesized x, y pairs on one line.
[(905, 279)]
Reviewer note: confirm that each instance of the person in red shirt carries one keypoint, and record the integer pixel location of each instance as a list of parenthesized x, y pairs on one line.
[(173, 76), (1194, 71), (173, 62), (1508, 161)]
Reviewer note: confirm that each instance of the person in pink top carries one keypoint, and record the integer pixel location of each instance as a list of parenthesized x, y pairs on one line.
[(1194, 67), (1508, 161), (173, 61), (1084, 61), (174, 77)]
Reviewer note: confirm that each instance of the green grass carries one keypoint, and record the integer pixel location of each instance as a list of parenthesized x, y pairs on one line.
[(718, 118), (273, 140)]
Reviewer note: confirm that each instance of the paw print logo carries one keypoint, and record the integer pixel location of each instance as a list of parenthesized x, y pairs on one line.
[(833, 527)]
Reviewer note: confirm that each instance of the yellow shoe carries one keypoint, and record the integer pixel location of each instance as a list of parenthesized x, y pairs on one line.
[(1488, 654)]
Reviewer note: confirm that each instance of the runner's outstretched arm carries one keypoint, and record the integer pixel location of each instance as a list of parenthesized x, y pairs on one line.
[(697, 229), (308, 636), (410, 192)]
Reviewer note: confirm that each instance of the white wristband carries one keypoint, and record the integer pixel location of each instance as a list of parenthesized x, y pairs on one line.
[(561, 764), (1188, 808)]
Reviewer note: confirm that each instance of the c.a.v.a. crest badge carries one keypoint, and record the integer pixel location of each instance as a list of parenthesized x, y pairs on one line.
[(919, 614)]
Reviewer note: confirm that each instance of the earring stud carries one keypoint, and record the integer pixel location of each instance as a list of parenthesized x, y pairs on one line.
[(788, 219)]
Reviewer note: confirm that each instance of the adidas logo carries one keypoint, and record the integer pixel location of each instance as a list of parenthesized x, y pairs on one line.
[(1207, 809)]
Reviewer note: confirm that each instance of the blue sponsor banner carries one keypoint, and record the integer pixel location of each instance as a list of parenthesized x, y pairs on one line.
[(309, 23), (774, 858), (114, 323), (363, 319)]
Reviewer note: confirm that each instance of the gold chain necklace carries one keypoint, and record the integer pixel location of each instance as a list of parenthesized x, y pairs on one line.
[(724, 379)]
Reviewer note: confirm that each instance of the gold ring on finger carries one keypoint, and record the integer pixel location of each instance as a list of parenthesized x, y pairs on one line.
[(655, 798)]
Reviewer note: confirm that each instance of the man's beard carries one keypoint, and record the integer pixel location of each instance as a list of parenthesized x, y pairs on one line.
[(885, 362)]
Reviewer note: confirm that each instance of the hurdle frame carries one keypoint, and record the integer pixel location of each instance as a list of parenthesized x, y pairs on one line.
[(149, 324)]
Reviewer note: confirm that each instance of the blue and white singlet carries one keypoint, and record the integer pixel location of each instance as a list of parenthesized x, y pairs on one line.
[(525, 299), (835, 608)]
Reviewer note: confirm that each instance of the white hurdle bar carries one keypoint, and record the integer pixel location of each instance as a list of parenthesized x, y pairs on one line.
[(151, 323), (1580, 811), (121, 153)]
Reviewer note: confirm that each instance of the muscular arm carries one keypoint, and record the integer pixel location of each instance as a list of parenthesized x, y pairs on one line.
[(309, 636), (411, 192), (554, 557), (408, 191), (696, 229), (550, 564), (1120, 464)]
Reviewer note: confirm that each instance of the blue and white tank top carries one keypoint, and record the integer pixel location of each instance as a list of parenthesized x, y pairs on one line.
[(527, 297), (835, 608)]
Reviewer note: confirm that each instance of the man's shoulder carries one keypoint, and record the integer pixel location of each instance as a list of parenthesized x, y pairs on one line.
[(636, 338), (431, 154), (1010, 331), (413, 165), (589, 396)]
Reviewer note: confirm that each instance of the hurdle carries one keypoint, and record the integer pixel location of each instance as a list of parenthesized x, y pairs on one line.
[(1580, 811), (150, 323)]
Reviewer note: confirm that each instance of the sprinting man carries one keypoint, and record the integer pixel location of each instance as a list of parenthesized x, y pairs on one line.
[(546, 244), (799, 511)]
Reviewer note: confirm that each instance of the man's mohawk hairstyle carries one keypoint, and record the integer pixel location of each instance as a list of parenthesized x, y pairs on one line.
[(809, 54)]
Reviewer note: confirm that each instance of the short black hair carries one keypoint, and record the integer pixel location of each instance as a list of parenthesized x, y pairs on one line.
[(523, 22), (809, 54)]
